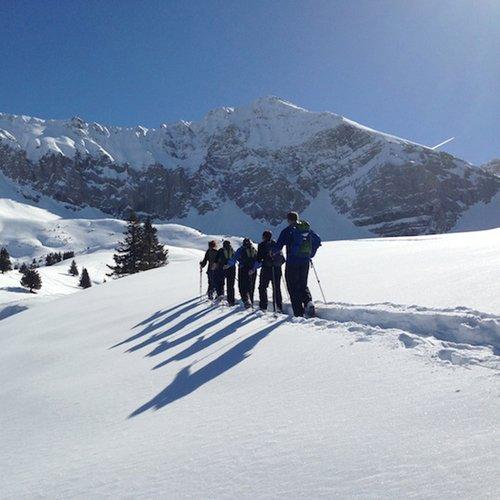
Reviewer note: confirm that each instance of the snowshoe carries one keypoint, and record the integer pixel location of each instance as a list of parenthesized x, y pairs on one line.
[(309, 311)]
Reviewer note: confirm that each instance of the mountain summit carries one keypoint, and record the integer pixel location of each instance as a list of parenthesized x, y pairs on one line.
[(248, 165)]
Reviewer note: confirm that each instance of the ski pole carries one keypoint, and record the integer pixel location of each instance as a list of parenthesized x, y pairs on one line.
[(274, 290), (201, 284), (319, 282)]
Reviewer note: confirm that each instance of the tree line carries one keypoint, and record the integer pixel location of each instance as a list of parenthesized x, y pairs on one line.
[(140, 250)]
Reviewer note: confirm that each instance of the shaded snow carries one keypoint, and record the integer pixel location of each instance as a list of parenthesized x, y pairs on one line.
[(480, 216)]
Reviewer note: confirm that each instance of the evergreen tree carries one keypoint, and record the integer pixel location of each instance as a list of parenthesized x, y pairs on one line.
[(153, 253), (31, 279), (73, 270), (5, 263), (23, 268), (85, 279), (128, 252)]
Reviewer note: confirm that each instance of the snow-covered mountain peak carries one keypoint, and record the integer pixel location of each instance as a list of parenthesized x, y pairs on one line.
[(273, 103), (259, 161)]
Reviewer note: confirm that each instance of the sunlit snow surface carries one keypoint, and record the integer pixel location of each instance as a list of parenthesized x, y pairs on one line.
[(136, 389)]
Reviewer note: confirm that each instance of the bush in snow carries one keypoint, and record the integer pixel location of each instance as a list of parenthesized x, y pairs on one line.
[(85, 279), (5, 263), (31, 279), (73, 270)]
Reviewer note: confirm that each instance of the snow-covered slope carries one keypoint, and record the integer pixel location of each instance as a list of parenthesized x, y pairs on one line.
[(247, 166), (135, 389)]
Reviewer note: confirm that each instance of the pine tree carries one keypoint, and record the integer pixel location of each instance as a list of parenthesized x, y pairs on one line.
[(5, 263), (31, 279), (85, 279), (153, 253), (73, 270), (128, 252), (23, 268)]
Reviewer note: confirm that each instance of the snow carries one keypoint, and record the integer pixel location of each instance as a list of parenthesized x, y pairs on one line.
[(480, 216), (135, 388), (269, 122), (155, 394)]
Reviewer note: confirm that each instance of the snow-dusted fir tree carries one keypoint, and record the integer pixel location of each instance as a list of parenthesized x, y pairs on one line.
[(31, 279), (23, 268), (153, 253), (73, 270), (128, 252), (5, 263), (85, 279)]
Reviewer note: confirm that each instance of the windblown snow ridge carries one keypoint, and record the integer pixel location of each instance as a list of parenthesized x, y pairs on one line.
[(461, 335)]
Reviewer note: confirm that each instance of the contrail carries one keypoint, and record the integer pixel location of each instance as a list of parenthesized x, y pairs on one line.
[(443, 143)]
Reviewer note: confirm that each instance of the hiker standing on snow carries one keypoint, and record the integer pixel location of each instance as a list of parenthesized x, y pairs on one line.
[(301, 246), (246, 256), (270, 271), (212, 268), (226, 275)]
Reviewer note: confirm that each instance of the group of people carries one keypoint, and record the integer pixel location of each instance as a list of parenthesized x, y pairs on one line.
[(301, 244)]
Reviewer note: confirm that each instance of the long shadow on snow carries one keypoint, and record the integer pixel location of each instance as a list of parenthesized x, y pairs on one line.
[(202, 343), (168, 344), (187, 382), (170, 331), (151, 326), (157, 314)]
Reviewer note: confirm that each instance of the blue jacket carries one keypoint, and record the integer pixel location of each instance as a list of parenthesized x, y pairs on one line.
[(243, 259), (292, 237)]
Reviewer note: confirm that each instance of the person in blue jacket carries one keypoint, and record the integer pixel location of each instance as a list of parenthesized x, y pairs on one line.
[(301, 244), (246, 256)]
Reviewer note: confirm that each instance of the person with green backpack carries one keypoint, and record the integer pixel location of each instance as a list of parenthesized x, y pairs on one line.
[(246, 256), (227, 275), (301, 244)]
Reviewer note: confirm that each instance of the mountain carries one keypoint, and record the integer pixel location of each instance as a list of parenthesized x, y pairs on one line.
[(240, 168), (136, 389), (493, 167)]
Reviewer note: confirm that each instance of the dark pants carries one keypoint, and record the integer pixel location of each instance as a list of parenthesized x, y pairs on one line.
[(296, 281), (227, 277), (266, 277), (212, 283), (246, 284)]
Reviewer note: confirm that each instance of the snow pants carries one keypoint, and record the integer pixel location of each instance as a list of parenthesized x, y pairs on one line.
[(296, 280), (227, 277), (246, 284), (266, 277), (212, 283)]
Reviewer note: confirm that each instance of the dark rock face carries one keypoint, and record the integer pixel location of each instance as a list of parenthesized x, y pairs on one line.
[(391, 187)]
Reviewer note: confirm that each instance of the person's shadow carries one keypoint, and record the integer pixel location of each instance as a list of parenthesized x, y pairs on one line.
[(187, 381)]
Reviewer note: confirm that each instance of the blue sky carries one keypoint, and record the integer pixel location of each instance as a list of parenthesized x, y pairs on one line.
[(421, 69)]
